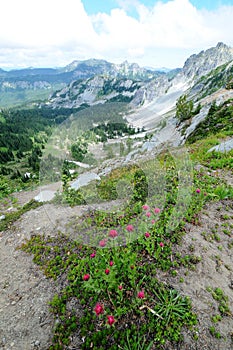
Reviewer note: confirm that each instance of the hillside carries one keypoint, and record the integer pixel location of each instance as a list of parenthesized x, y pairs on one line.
[(197, 248), (121, 237)]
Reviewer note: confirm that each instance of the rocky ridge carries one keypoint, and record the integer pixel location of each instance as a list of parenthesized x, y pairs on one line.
[(194, 69), (141, 93), (98, 89), (34, 77)]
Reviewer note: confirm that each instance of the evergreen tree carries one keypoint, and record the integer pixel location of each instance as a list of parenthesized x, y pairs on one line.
[(184, 108)]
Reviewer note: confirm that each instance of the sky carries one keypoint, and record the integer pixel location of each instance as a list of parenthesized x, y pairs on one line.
[(164, 33)]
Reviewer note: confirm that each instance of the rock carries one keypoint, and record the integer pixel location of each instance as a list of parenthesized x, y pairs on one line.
[(45, 196), (84, 179), (205, 61), (196, 120), (225, 146), (2, 217)]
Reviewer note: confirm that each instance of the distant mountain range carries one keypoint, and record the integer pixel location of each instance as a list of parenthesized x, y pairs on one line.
[(25, 85), (125, 87), (75, 70), (96, 81)]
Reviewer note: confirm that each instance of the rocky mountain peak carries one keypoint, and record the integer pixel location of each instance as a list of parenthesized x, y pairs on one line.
[(202, 63), (72, 66)]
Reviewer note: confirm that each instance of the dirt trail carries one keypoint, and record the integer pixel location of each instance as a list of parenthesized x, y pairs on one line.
[(25, 321), (24, 197)]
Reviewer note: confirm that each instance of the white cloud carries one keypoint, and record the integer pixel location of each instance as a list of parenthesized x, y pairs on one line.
[(40, 23), (55, 32), (220, 21), (174, 24)]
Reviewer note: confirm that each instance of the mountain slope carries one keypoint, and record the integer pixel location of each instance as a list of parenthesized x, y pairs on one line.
[(98, 89), (202, 74), (195, 67)]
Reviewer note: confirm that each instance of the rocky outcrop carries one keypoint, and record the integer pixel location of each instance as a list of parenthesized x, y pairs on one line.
[(204, 62), (98, 89), (24, 85), (92, 67), (190, 76), (225, 146)]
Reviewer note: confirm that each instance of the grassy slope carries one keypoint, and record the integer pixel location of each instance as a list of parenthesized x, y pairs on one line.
[(16, 98), (157, 316)]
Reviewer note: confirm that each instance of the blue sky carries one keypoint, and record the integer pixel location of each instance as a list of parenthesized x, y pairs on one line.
[(94, 6), (53, 33)]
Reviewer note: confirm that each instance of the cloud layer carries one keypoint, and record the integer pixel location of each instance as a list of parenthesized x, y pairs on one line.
[(55, 32)]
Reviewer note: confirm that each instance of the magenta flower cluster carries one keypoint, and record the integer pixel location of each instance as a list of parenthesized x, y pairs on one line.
[(86, 277), (148, 212), (113, 233), (129, 228), (99, 309), (141, 294)]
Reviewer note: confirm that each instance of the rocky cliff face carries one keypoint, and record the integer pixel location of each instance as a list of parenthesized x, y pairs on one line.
[(202, 63), (114, 85), (93, 67), (195, 67), (98, 89)]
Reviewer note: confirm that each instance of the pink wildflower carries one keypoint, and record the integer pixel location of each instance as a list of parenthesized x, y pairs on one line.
[(111, 263), (107, 271), (148, 214), (157, 210), (111, 320), (102, 243), (120, 287), (99, 309), (145, 207), (161, 244), (198, 190), (147, 235), (92, 255), (86, 277), (141, 294), (113, 233), (153, 222), (129, 228)]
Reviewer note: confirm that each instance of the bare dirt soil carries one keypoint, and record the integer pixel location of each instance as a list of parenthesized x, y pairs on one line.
[(210, 240)]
